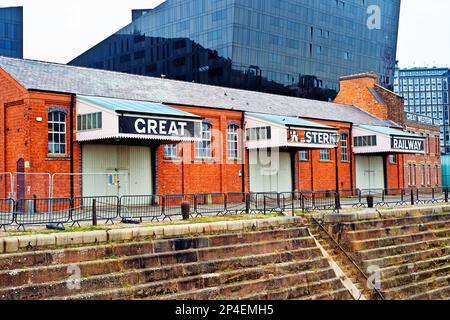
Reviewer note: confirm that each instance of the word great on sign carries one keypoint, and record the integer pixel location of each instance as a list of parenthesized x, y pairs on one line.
[(158, 127)]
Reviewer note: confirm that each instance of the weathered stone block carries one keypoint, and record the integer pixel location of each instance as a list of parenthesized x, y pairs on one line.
[(27, 242), (45, 240), (94, 237), (120, 235), (11, 244)]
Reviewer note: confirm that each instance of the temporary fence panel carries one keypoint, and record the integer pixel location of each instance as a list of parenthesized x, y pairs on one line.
[(172, 204), (7, 190), (351, 198), (429, 195), (141, 207), (320, 201), (95, 208), (396, 197), (291, 201), (6, 212), (265, 202), (238, 202), (210, 203), (42, 211), (31, 185)]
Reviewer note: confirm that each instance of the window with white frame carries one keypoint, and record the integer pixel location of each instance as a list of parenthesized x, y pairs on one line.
[(170, 151), (344, 147), (57, 133), (393, 159), (304, 155), (233, 142), (429, 175), (203, 147), (422, 174), (325, 155), (437, 173)]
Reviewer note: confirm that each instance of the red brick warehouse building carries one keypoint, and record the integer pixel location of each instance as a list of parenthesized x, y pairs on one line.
[(420, 170), (107, 133)]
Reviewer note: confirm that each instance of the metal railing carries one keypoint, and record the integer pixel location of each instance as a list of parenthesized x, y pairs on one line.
[(136, 209)]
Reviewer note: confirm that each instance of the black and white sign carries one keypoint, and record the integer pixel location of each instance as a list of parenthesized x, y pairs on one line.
[(317, 137), (405, 144), (159, 127), (422, 119)]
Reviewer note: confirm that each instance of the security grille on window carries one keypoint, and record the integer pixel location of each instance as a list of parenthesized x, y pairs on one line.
[(91, 121), (367, 141), (325, 155), (57, 133), (203, 147), (304, 155), (258, 134), (233, 142), (344, 147), (171, 151)]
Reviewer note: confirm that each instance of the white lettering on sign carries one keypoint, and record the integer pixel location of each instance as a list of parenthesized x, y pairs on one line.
[(156, 126), (407, 144), (316, 137)]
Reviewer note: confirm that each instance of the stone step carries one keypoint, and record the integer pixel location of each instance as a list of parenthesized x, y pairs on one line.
[(238, 290), (417, 288), (398, 240), (91, 253), (442, 293), (393, 222), (38, 275), (370, 254), (187, 256), (414, 277), (410, 267), (394, 231), (411, 257), (299, 291), (341, 294)]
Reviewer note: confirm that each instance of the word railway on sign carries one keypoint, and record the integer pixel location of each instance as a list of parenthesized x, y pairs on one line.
[(405, 144)]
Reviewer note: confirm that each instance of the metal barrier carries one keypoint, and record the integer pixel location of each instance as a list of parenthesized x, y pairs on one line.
[(42, 212), (6, 212), (320, 201), (140, 207), (430, 195), (210, 203), (94, 209), (396, 197), (353, 198), (291, 201), (265, 202), (237, 202), (171, 205)]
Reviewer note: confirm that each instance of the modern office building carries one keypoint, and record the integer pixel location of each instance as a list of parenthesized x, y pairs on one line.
[(11, 32), (426, 92), (291, 47)]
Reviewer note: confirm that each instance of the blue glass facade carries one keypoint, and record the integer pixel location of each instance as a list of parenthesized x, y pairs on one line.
[(293, 47), (11, 32)]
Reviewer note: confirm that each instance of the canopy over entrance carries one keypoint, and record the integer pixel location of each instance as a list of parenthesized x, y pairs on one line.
[(100, 118)]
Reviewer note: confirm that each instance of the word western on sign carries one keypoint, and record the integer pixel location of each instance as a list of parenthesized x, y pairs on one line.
[(422, 119), (317, 137), (158, 127), (398, 143)]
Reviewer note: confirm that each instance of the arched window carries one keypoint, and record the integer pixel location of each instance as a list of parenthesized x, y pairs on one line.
[(233, 142), (203, 147), (56, 132)]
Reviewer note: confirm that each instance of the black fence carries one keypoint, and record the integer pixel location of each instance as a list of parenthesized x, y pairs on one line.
[(136, 209)]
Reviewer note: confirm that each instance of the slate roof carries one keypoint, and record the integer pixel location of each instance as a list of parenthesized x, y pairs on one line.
[(389, 132), (46, 76), (289, 121), (133, 106)]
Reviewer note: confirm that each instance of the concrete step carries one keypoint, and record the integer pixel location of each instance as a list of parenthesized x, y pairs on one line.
[(410, 267), (417, 288), (401, 239), (393, 222), (407, 258), (328, 286), (91, 253), (171, 258), (394, 230), (418, 276), (401, 249), (245, 289), (341, 294), (54, 273), (441, 293)]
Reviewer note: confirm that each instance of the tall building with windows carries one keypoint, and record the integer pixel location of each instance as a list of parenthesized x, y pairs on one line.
[(426, 92), (291, 47), (11, 32)]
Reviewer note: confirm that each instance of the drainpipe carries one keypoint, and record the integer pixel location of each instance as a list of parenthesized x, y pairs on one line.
[(72, 108), (351, 156), (243, 151)]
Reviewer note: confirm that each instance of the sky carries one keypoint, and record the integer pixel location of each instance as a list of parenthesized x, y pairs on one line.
[(58, 30)]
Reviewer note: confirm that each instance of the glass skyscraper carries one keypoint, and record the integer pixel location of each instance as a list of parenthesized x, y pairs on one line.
[(11, 32), (292, 47), (426, 92)]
